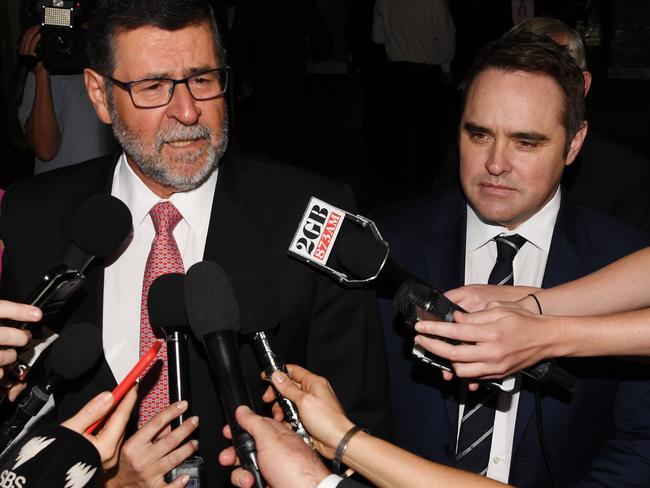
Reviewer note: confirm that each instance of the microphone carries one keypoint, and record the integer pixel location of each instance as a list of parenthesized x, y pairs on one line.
[(167, 311), (363, 256), (213, 315), (72, 354), (258, 314), (50, 456), (98, 228)]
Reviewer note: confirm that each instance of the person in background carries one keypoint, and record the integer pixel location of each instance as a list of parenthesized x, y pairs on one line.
[(59, 121)]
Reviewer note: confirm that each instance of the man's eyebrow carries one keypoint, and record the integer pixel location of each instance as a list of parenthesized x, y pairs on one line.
[(167, 75), (477, 129), (530, 136)]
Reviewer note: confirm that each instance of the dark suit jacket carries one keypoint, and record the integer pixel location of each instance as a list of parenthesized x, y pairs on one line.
[(257, 207), (599, 433)]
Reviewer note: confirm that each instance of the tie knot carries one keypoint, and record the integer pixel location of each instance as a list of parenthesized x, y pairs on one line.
[(165, 217), (508, 246)]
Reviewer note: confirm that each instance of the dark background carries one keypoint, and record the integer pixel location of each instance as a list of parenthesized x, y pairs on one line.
[(345, 90)]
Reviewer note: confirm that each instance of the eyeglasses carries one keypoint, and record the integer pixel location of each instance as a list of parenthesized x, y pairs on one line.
[(158, 92)]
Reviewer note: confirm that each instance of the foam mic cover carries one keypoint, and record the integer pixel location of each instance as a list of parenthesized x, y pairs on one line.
[(74, 352), (210, 300), (363, 256), (98, 228), (258, 305), (166, 302), (52, 456)]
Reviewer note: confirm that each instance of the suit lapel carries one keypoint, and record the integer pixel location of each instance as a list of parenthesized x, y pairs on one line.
[(569, 248), (234, 212), (96, 182), (444, 253)]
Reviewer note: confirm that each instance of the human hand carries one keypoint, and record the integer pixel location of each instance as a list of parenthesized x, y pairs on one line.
[(28, 42), (319, 409), (474, 298), (498, 342), (109, 439), (28, 45), (11, 337), (284, 459), (154, 450)]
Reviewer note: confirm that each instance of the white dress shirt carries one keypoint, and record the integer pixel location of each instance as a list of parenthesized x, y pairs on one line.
[(528, 267), (123, 278), (417, 31)]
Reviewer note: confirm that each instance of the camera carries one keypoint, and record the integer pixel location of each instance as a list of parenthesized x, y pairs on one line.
[(63, 39)]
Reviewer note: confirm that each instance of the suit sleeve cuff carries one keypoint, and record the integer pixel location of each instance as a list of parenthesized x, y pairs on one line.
[(332, 481)]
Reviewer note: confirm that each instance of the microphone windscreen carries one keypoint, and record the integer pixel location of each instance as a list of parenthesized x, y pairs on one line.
[(359, 254), (75, 351), (210, 300), (258, 307), (166, 302), (51, 456), (101, 225)]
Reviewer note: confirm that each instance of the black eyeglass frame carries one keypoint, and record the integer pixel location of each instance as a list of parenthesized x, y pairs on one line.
[(126, 85)]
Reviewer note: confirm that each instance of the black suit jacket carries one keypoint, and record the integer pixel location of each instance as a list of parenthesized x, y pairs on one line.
[(256, 209), (598, 435)]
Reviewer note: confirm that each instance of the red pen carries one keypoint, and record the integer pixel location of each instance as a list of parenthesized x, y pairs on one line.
[(124, 386)]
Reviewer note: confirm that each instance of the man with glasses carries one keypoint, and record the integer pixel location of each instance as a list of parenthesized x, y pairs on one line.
[(158, 77)]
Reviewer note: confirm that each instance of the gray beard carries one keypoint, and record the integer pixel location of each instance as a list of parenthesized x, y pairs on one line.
[(149, 158)]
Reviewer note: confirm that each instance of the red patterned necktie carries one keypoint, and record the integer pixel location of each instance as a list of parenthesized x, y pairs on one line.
[(164, 258)]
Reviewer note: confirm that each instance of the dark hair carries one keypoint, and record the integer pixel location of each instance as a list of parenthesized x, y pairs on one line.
[(110, 17), (533, 53)]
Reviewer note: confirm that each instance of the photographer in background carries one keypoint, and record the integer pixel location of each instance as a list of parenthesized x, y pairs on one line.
[(59, 122)]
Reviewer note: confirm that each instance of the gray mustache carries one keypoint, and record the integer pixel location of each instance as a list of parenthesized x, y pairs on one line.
[(183, 133)]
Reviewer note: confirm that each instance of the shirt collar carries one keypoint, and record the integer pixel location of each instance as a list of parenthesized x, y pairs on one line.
[(538, 229), (192, 205)]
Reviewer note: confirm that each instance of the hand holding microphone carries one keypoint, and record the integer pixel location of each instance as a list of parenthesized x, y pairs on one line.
[(213, 314), (10, 337)]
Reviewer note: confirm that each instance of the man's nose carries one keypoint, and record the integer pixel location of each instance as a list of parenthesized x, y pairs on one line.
[(183, 107)]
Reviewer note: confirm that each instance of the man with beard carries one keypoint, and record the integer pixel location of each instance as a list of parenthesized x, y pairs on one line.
[(157, 74)]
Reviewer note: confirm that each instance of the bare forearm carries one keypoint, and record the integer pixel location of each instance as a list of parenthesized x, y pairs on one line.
[(41, 128), (622, 334), (386, 465), (623, 285)]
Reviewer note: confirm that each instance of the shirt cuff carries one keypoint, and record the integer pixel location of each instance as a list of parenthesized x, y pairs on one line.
[(332, 481)]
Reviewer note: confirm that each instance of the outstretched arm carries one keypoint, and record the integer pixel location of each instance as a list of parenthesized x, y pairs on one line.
[(382, 463)]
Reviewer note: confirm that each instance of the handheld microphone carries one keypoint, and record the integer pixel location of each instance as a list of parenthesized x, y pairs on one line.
[(412, 297), (258, 315), (213, 315), (357, 255), (167, 311), (72, 354), (98, 228)]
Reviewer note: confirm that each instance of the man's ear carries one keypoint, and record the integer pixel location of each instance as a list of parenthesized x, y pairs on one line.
[(96, 89), (576, 143)]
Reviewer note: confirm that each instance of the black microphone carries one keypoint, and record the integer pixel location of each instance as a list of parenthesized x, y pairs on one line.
[(72, 354), (213, 314), (259, 315), (98, 228), (363, 256), (167, 311), (52, 455)]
